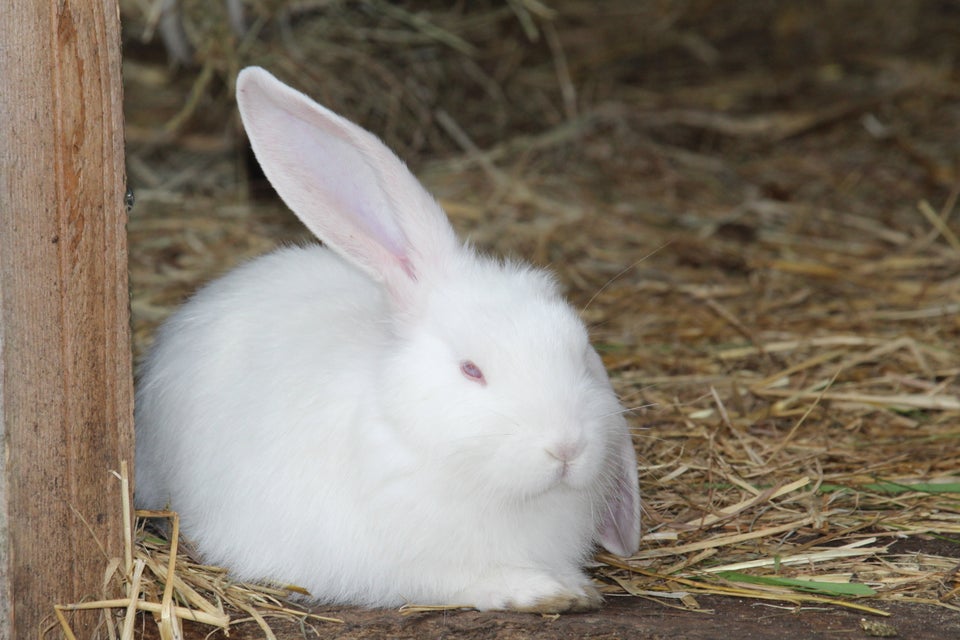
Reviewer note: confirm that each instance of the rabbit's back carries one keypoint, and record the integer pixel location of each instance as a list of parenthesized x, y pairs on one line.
[(269, 353)]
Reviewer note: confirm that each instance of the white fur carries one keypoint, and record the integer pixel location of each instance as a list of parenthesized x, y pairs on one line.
[(308, 418)]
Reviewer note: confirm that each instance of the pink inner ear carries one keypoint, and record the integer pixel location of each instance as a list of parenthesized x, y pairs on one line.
[(346, 186), (620, 525)]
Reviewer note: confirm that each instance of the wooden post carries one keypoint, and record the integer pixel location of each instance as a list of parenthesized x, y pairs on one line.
[(65, 373)]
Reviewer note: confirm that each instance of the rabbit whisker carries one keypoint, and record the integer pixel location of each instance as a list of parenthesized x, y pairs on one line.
[(622, 273)]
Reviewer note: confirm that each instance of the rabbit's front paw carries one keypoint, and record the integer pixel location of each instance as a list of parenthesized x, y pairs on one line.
[(586, 598), (534, 592)]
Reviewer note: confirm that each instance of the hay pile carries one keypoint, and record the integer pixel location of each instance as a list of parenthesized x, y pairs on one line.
[(392, 66), (757, 217)]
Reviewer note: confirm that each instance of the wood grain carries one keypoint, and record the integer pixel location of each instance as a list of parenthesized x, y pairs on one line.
[(66, 385)]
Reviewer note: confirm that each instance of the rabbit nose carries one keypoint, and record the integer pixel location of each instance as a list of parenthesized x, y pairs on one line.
[(565, 453)]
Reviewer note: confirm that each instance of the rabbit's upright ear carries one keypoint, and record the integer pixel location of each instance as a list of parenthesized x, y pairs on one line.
[(620, 524), (345, 185)]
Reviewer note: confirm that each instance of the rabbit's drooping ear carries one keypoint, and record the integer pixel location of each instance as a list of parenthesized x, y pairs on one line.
[(344, 184), (620, 526)]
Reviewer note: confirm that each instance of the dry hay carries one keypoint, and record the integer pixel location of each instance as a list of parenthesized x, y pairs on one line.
[(781, 314), (387, 65), (154, 578)]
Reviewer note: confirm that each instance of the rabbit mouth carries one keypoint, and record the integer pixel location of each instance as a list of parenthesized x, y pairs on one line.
[(568, 475)]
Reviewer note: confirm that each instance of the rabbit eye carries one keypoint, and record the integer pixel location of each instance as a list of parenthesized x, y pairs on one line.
[(472, 371)]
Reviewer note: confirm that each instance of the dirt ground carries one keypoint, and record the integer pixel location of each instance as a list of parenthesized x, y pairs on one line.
[(621, 618), (772, 185)]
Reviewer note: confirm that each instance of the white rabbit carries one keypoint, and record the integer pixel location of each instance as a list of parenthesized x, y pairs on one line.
[(388, 419)]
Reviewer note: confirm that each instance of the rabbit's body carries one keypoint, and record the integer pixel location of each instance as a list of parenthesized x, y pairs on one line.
[(415, 423)]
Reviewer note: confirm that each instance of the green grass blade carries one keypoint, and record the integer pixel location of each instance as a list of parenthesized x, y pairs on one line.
[(810, 586)]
